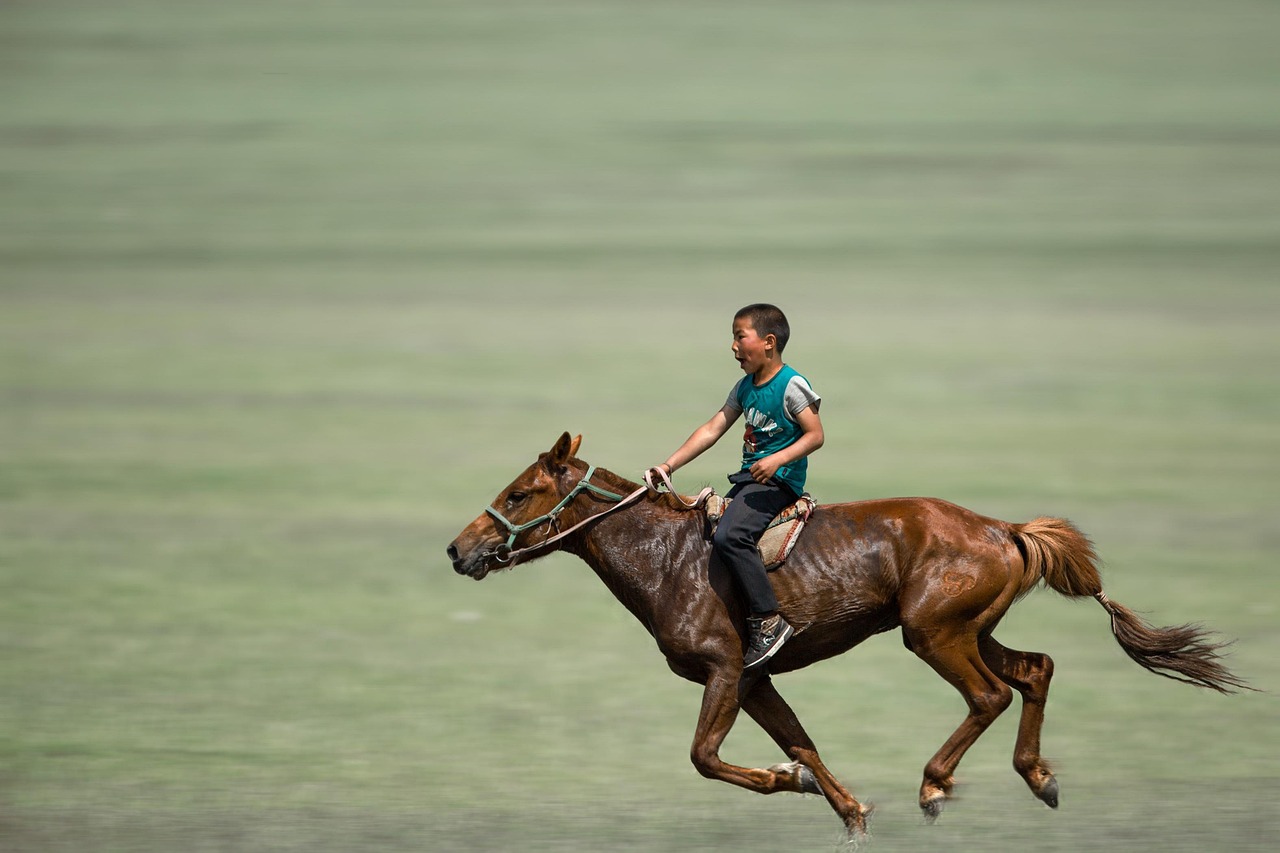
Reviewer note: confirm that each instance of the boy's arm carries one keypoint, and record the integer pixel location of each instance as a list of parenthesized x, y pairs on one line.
[(702, 438), (810, 440)]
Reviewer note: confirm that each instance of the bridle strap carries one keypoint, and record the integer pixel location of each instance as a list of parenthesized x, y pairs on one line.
[(504, 552), (512, 556), (506, 555)]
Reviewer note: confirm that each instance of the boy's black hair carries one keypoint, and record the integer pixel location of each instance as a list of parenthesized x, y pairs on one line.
[(767, 319)]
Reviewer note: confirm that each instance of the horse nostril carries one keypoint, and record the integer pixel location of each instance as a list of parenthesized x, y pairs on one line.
[(452, 552)]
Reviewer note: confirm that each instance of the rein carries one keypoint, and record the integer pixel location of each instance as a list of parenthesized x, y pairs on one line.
[(699, 500), (504, 552)]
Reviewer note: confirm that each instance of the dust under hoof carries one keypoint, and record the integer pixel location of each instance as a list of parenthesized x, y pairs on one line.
[(855, 825), (932, 807)]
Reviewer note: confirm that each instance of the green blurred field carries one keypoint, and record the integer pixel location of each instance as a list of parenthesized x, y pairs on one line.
[(288, 291)]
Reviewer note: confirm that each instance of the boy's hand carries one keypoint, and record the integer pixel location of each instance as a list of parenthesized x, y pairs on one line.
[(658, 476), (762, 470)]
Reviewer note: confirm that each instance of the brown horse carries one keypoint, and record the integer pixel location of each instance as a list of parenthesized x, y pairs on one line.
[(941, 573)]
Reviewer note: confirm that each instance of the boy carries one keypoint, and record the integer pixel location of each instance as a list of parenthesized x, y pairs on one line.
[(782, 429)]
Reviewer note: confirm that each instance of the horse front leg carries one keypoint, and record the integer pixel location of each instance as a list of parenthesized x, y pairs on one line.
[(767, 707), (721, 701)]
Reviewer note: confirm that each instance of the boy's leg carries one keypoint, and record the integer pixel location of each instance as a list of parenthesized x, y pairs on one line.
[(737, 540)]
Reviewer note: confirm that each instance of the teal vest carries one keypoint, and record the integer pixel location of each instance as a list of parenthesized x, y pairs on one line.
[(768, 428)]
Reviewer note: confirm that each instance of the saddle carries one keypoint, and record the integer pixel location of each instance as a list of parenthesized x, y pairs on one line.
[(781, 534)]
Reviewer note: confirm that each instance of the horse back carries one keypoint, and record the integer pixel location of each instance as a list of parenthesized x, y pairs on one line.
[(862, 568)]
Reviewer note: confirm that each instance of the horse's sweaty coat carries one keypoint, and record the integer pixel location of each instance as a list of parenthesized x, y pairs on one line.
[(942, 574)]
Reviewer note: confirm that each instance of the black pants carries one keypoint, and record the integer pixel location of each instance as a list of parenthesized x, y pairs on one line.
[(737, 538)]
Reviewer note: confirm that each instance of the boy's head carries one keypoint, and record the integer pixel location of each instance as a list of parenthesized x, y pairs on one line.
[(767, 319)]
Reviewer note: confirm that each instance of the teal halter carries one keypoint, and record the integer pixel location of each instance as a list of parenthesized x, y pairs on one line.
[(516, 529)]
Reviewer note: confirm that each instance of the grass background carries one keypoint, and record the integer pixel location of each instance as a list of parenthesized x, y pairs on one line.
[(289, 290)]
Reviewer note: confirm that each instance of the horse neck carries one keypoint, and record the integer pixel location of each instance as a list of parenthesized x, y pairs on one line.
[(631, 550)]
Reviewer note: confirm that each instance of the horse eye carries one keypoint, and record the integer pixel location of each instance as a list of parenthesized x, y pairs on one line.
[(516, 497)]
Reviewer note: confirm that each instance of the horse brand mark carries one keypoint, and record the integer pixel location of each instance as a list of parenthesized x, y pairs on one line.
[(954, 583)]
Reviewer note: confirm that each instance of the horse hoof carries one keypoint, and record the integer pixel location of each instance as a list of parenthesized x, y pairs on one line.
[(1049, 793), (809, 782), (932, 807), (803, 776)]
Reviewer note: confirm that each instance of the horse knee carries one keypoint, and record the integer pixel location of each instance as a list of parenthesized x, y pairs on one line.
[(705, 761), (990, 704)]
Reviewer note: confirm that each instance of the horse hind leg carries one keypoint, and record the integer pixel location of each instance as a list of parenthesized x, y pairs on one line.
[(1029, 673), (767, 707), (955, 657)]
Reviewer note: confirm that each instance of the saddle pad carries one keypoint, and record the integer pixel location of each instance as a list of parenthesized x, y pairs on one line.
[(781, 534)]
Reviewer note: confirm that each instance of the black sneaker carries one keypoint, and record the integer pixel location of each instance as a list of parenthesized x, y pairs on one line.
[(765, 637)]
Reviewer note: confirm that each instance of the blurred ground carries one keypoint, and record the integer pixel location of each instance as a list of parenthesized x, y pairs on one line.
[(289, 291)]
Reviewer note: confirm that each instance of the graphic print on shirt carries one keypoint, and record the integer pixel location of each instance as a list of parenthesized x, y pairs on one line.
[(757, 423)]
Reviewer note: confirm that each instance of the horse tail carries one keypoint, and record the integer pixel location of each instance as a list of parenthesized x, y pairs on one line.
[(1057, 551), (1054, 549)]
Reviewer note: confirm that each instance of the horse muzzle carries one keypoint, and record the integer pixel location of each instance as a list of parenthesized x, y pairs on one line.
[(474, 564)]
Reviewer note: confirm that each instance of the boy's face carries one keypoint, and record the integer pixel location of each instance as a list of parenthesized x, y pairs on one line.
[(752, 351)]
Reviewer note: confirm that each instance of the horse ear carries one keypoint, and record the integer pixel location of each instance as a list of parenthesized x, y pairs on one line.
[(564, 449)]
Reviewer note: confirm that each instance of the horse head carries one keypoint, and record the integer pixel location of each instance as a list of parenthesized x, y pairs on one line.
[(511, 524)]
